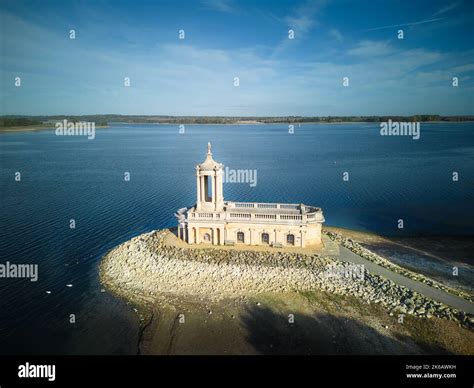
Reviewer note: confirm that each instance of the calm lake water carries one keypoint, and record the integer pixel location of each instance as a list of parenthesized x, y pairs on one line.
[(65, 178)]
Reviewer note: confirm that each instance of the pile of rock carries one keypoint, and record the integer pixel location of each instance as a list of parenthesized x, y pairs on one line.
[(383, 262), (146, 267)]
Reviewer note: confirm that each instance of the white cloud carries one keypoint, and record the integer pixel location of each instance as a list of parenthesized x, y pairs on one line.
[(300, 20), (370, 48), (181, 79)]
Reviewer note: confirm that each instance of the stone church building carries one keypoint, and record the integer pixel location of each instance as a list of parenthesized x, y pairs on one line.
[(215, 221)]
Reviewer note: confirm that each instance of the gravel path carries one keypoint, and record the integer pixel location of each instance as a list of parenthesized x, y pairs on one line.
[(346, 255), (433, 293)]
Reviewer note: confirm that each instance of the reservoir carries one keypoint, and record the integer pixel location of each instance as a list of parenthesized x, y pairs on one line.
[(66, 178)]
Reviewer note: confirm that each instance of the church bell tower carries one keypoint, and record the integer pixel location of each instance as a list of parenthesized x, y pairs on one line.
[(209, 188)]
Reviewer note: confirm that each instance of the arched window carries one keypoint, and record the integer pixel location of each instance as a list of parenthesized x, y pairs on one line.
[(290, 239), (265, 238), (240, 237)]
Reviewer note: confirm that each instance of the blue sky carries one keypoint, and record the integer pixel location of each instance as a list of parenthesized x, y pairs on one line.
[(225, 39)]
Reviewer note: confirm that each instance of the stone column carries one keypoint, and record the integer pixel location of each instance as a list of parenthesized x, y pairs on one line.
[(213, 190), (219, 190), (198, 189), (215, 234), (203, 188), (254, 237)]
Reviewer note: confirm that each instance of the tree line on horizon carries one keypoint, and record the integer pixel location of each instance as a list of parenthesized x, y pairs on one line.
[(102, 120)]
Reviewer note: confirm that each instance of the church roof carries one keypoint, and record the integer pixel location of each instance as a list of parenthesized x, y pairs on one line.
[(209, 164)]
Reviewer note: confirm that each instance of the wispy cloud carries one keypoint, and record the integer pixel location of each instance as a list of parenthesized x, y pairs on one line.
[(301, 20), (195, 76), (404, 24), (304, 17), (447, 8), (336, 34), (226, 6), (370, 48)]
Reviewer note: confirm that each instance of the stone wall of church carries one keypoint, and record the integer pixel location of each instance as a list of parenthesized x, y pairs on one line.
[(313, 234), (254, 234)]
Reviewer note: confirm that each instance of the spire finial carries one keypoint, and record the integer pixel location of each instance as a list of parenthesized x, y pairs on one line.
[(209, 149)]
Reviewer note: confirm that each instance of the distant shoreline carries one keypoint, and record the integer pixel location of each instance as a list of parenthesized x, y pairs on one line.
[(28, 128), (35, 122), (36, 128), (298, 123)]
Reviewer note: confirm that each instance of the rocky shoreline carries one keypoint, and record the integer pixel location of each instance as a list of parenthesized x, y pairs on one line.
[(147, 268), (383, 262)]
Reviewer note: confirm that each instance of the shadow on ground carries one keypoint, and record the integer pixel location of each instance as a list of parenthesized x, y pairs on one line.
[(270, 332)]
